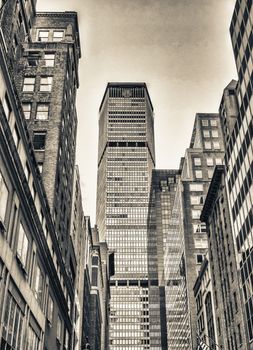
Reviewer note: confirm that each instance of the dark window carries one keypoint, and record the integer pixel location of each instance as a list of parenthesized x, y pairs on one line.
[(39, 140)]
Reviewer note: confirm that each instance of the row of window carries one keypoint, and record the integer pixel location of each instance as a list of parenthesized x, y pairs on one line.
[(209, 122), (42, 110), (54, 35), (45, 84), (209, 161), (34, 58)]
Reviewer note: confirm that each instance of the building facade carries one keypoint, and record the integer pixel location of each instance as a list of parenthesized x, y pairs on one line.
[(125, 162), (229, 332), (239, 157), (36, 290), (206, 313), (187, 232), (162, 194)]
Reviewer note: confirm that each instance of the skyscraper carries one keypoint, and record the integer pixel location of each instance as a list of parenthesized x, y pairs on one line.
[(239, 158), (126, 157)]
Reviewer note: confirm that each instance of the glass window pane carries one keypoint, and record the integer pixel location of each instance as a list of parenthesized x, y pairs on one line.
[(4, 195)]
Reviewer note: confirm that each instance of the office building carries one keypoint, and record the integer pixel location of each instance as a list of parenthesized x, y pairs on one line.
[(163, 186), (125, 162), (225, 301), (239, 158), (186, 232), (36, 290), (206, 312)]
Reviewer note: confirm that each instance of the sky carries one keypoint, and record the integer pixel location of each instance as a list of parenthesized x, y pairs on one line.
[(180, 48)]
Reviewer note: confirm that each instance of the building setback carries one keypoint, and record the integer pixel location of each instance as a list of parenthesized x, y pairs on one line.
[(125, 162)]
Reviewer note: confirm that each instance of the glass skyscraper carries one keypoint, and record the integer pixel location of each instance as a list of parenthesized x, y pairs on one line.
[(126, 157)]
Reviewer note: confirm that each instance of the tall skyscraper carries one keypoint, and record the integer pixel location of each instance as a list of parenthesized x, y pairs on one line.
[(187, 240), (162, 195), (126, 157), (239, 157)]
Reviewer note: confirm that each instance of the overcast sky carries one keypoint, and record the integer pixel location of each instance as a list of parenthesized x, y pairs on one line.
[(180, 48)]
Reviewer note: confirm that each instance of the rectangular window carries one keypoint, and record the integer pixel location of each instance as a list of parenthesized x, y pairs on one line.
[(38, 285), (218, 161), (50, 309), (59, 328), (198, 174), (216, 145), (49, 59), (215, 133), (7, 106), (42, 111), (43, 35), (12, 335), (199, 258), (195, 199), (204, 122), (23, 246), (33, 59), (29, 84), (58, 35), (209, 161), (210, 173), (33, 340), (213, 122), (196, 213), (206, 133), (39, 140), (4, 195), (196, 187), (27, 107), (46, 84), (207, 145), (197, 161)]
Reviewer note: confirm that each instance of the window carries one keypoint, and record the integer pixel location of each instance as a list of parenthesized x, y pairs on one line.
[(204, 122), (33, 340), (196, 213), (33, 59), (218, 161), (199, 228), (198, 174), (4, 195), (66, 341), (199, 258), (59, 328), (207, 145), (209, 161), (197, 161), (49, 59), (46, 84), (50, 309), (42, 111), (216, 145), (195, 199), (215, 133), (196, 187), (27, 107), (213, 122), (210, 173), (29, 83), (206, 133), (7, 106), (12, 335), (23, 246), (43, 35), (38, 285), (39, 140), (58, 35)]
